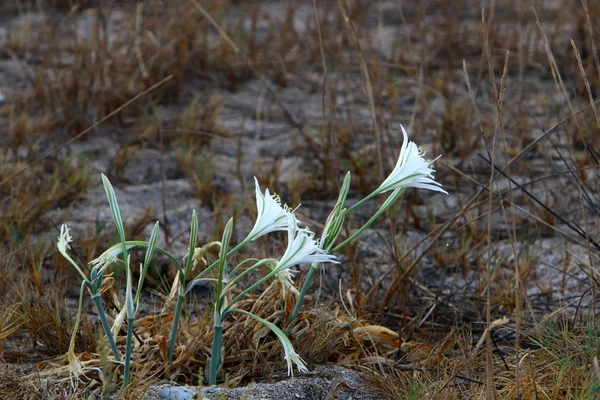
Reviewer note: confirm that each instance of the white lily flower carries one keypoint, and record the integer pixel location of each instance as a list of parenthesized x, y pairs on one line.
[(302, 248), (293, 358), (272, 216), (411, 170), (64, 239), (110, 255), (286, 278), (75, 369), (63, 246)]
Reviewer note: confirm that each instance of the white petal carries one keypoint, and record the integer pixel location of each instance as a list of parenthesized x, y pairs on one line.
[(64, 239), (301, 248), (411, 170), (292, 357), (271, 216)]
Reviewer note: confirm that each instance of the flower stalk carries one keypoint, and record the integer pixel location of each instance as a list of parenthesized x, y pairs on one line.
[(333, 226), (215, 358), (215, 355), (411, 170), (174, 327), (131, 310), (182, 281), (96, 298), (93, 284)]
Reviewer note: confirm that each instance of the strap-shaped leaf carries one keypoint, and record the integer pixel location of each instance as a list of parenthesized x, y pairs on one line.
[(147, 259), (115, 250), (114, 209), (223, 264), (128, 294), (193, 240), (225, 245), (290, 354), (344, 190)]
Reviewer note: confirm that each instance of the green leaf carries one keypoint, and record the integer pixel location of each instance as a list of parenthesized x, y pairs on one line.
[(335, 220), (193, 240), (344, 189), (147, 259), (223, 263), (130, 307), (392, 198), (114, 207), (225, 243), (290, 354)]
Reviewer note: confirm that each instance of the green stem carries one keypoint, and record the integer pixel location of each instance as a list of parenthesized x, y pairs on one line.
[(104, 321), (307, 281), (74, 264), (247, 271), (128, 352), (387, 204), (174, 327), (215, 356), (355, 234), (361, 202), (215, 263), (77, 319), (182, 294), (314, 267), (241, 264), (251, 288)]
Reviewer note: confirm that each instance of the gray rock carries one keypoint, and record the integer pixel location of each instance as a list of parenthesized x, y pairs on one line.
[(326, 382)]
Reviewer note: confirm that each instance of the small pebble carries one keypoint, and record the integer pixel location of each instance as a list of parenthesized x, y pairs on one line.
[(177, 393)]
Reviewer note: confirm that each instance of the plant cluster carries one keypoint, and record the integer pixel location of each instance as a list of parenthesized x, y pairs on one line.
[(411, 170)]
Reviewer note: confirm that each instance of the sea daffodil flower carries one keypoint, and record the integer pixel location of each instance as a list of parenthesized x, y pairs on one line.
[(293, 358), (411, 170), (64, 239), (286, 278), (301, 248), (271, 216), (110, 255), (63, 246)]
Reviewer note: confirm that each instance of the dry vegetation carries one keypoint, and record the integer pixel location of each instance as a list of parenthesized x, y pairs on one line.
[(487, 293)]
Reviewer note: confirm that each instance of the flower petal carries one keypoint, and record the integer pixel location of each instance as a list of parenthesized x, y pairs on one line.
[(411, 170), (271, 215), (302, 248)]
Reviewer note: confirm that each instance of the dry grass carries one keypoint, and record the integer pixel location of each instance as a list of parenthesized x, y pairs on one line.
[(503, 93)]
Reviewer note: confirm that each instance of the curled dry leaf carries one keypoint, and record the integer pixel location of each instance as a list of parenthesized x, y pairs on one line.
[(163, 349), (416, 352), (378, 335), (107, 284)]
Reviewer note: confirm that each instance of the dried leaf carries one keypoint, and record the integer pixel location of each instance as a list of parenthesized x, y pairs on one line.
[(378, 335)]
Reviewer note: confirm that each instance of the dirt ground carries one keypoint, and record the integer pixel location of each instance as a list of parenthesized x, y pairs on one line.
[(181, 104)]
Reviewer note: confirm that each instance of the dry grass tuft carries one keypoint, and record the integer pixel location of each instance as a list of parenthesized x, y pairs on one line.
[(13, 386), (47, 318)]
